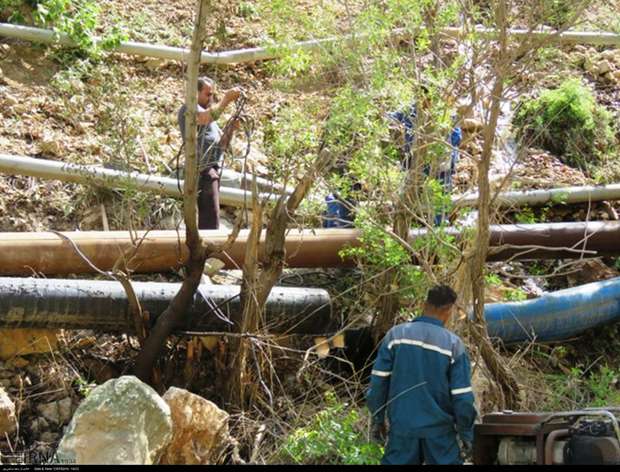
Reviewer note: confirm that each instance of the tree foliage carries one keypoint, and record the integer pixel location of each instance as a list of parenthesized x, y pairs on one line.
[(78, 19), (371, 72)]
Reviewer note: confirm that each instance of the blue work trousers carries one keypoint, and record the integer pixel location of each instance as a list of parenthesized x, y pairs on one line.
[(441, 450)]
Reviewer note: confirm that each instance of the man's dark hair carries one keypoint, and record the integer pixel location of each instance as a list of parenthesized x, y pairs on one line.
[(440, 296), (202, 81)]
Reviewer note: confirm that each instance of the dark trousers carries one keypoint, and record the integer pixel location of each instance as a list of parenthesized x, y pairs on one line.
[(442, 450), (209, 199)]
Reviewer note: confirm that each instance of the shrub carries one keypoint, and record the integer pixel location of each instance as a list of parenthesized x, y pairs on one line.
[(334, 436), (603, 387), (578, 388), (567, 122)]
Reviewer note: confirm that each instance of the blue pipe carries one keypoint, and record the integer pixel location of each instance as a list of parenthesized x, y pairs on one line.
[(555, 316)]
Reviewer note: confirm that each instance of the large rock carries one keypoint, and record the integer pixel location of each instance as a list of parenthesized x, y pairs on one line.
[(123, 421), (8, 420), (199, 429)]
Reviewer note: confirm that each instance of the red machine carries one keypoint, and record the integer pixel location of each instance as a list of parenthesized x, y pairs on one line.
[(590, 436)]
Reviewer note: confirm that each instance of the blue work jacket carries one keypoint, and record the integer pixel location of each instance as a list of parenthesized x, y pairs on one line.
[(422, 380), (407, 120)]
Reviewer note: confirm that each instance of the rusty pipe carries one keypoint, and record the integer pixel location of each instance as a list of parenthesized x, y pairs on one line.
[(159, 251), (550, 443), (162, 251), (554, 240)]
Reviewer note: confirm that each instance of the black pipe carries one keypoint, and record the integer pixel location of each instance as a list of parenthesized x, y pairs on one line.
[(103, 306)]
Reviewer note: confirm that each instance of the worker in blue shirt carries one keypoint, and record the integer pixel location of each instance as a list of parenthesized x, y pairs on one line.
[(421, 384), (447, 168)]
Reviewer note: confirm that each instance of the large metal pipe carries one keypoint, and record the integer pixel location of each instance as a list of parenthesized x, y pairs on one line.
[(69, 172), (161, 251), (232, 181), (258, 54), (592, 38), (103, 305), (554, 240), (45, 36), (583, 194), (555, 316), (94, 175)]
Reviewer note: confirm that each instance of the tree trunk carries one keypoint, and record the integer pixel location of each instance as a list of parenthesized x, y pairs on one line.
[(175, 313), (478, 328), (261, 271), (410, 200)]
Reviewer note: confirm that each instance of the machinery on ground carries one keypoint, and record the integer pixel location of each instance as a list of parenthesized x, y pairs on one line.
[(590, 436)]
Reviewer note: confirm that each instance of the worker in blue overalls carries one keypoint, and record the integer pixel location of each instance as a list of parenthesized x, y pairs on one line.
[(447, 168), (421, 383)]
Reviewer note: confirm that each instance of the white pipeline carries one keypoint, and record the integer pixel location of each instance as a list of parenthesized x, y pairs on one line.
[(45, 36), (592, 38), (257, 54), (584, 194), (234, 179), (39, 35), (84, 174), (88, 174)]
